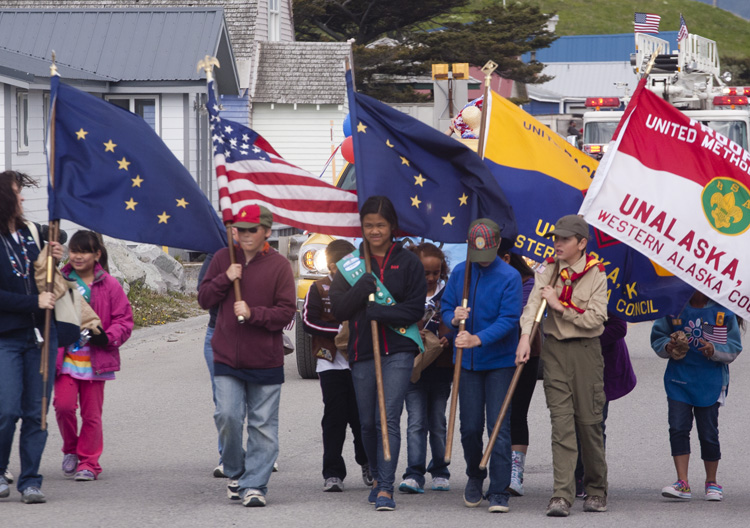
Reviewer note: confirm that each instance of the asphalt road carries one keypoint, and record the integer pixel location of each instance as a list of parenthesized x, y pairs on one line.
[(160, 450)]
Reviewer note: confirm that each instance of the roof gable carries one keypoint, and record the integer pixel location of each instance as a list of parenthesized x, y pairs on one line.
[(300, 72)]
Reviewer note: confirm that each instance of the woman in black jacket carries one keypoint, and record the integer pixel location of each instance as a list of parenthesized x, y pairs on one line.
[(398, 306)]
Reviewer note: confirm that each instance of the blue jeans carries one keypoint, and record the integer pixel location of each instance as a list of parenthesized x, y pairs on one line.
[(21, 397), (480, 390), (208, 353), (251, 466), (681, 423), (425, 406), (396, 373)]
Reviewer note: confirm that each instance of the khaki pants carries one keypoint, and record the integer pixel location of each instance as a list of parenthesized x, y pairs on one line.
[(574, 388)]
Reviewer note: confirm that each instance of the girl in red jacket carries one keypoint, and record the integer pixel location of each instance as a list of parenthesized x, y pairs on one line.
[(82, 368)]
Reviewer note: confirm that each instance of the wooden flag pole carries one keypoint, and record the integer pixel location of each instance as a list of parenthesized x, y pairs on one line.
[(514, 381), (54, 230), (488, 68), (378, 364), (207, 64), (457, 367)]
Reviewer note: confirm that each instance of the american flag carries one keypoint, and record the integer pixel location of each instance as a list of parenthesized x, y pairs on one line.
[(714, 334), (250, 171), (647, 23), (683, 34)]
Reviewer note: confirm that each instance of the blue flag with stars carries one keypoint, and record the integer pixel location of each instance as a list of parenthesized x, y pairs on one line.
[(437, 185), (113, 174)]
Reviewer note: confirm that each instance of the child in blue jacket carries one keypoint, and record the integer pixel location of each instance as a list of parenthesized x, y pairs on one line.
[(700, 343)]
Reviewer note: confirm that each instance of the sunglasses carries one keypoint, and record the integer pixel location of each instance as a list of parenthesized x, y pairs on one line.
[(248, 229)]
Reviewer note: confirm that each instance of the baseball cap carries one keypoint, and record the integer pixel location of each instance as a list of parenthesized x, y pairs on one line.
[(484, 239), (253, 216), (570, 225)]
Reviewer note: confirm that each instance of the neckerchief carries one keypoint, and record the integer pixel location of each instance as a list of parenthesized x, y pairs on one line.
[(566, 295), (352, 267)]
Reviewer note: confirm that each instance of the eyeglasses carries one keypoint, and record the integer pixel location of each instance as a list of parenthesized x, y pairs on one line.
[(247, 229)]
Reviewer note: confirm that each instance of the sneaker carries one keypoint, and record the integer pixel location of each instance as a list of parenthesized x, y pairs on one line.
[(558, 507), (595, 503), (33, 495), (714, 492), (69, 464), (410, 486), (678, 490), (4, 488), (275, 467), (373, 497), (233, 490), (441, 484), (385, 504), (498, 503), (333, 484), (8, 476), (219, 471), (84, 475), (254, 498), (473, 492), (367, 475), (516, 474)]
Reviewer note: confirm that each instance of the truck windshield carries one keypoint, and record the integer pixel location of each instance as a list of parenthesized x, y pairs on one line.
[(599, 132), (734, 130), (348, 178)]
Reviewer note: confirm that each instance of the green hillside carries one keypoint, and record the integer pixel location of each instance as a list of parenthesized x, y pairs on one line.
[(597, 17)]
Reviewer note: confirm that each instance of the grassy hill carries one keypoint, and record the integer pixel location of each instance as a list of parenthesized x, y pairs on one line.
[(597, 17)]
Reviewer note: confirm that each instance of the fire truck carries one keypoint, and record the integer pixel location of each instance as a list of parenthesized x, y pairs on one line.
[(689, 79)]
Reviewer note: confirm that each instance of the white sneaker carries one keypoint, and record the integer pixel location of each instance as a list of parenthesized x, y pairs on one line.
[(714, 492), (333, 484), (8, 476), (516, 473), (254, 498), (410, 486), (219, 471), (275, 467), (441, 484)]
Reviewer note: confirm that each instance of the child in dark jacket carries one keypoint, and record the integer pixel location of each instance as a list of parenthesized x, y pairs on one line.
[(399, 292), (82, 368), (339, 400)]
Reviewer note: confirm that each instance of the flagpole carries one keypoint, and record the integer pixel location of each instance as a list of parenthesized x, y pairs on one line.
[(207, 64), (488, 68), (54, 230)]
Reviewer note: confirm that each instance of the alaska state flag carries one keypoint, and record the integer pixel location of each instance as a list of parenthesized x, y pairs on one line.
[(114, 174), (544, 178), (678, 192), (437, 185)]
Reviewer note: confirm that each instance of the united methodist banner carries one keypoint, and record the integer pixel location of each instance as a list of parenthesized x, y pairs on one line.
[(678, 192), (544, 178)]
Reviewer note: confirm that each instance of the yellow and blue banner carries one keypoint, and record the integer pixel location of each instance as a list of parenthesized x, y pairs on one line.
[(545, 178)]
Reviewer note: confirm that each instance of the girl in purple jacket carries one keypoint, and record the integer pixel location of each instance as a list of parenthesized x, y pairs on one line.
[(82, 368)]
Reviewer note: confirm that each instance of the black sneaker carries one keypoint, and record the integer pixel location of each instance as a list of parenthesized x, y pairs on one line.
[(473, 492), (367, 475)]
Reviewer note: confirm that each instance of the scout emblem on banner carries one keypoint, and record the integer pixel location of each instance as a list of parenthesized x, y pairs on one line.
[(677, 191)]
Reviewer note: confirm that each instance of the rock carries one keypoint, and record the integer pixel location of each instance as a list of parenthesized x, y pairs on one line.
[(146, 264)]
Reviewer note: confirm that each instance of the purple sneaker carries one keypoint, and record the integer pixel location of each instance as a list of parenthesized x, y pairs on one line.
[(85, 475), (69, 464)]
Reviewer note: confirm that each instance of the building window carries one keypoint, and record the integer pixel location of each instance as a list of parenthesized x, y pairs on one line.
[(22, 108), (274, 20), (146, 107)]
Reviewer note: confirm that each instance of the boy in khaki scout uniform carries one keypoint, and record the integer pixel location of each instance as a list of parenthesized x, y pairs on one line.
[(575, 287)]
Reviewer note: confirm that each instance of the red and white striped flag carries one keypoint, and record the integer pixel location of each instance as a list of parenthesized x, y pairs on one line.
[(250, 171), (714, 334), (678, 192), (646, 23), (683, 33)]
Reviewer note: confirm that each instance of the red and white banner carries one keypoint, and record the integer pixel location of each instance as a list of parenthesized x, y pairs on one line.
[(678, 192)]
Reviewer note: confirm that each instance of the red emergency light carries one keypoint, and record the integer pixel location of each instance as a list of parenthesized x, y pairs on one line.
[(734, 90), (730, 100), (598, 102)]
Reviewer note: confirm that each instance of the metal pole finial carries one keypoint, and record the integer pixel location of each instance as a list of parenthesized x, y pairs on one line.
[(207, 63), (53, 67)]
